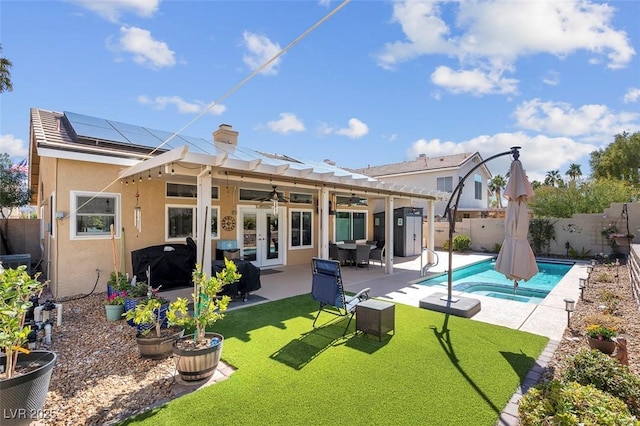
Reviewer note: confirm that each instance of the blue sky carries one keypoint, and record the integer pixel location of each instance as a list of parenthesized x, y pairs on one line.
[(376, 82)]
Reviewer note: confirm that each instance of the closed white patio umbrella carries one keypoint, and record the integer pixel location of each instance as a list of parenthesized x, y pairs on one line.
[(516, 259)]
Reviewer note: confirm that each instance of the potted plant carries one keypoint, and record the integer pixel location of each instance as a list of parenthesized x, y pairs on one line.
[(602, 337), (117, 284), (136, 293), (200, 352), (154, 339), (25, 375), (114, 306)]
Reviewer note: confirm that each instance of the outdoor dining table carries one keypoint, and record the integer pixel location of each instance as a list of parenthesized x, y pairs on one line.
[(352, 247)]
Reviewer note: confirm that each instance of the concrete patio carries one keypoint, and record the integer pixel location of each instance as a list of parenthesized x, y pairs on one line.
[(548, 318)]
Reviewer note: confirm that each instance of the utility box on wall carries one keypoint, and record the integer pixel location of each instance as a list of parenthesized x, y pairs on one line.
[(407, 230)]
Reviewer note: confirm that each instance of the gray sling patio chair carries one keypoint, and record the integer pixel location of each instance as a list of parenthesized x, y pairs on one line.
[(327, 289)]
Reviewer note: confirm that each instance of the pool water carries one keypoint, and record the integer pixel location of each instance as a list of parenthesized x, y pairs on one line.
[(482, 278)]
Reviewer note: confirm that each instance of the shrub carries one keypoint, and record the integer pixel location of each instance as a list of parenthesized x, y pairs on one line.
[(557, 403), (497, 247), (575, 254), (605, 320), (461, 242), (610, 300), (606, 374)]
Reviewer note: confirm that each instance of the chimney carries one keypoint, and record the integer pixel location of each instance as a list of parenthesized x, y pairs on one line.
[(226, 134)]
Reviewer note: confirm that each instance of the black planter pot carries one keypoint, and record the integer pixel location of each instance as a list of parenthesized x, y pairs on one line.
[(198, 364), (157, 347), (23, 396)]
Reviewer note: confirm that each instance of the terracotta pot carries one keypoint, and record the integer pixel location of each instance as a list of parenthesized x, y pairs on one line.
[(604, 346), (198, 364)]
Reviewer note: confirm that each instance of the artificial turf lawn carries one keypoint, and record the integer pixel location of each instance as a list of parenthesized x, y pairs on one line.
[(291, 374)]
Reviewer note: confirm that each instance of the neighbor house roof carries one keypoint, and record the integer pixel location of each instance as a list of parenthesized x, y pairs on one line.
[(420, 164), (81, 137)]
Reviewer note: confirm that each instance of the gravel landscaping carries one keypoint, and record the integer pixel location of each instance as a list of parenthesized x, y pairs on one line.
[(99, 378)]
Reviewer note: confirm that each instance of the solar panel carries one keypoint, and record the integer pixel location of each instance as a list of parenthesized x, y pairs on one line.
[(86, 119), (94, 132)]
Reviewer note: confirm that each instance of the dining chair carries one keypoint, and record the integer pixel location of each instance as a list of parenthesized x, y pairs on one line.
[(335, 253), (377, 255), (362, 255)]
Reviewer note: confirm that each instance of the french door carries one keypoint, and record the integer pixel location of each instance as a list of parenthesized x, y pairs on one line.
[(262, 239)]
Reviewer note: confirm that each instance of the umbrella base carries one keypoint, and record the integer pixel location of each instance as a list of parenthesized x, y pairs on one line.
[(459, 306)]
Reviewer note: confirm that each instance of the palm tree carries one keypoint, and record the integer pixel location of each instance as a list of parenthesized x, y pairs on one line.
[(552, 178), (5, 76), (574, 172), (496, 185)]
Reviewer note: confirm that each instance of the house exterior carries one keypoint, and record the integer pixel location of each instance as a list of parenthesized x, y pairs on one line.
[(104, 189), (442, 173)]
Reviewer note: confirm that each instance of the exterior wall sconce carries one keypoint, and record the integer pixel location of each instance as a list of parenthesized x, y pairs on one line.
[(569, 306)]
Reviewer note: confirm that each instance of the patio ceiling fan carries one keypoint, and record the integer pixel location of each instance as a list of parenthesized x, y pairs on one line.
[(353, 201), (274, 197)]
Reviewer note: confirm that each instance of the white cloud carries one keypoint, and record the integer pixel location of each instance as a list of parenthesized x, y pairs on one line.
[(559, 118), (474, 81), (551, 78), (287, 123), (145, 50), (259, 50), (492, 35), (16, 148), (111, 10), (538, 154), (183, 107), (632, 95), (356, 129)]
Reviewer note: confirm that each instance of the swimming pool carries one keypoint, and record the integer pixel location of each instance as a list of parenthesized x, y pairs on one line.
[(482, 278)]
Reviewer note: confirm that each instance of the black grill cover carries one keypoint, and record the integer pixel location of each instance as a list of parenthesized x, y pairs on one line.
[(171, 265), (250, 280)]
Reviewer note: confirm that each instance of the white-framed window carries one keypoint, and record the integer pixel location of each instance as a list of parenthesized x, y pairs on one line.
[(444, 184), (92, 215), (300, 228), (187, 190), (180, 220), (478, 186), (350, 225)]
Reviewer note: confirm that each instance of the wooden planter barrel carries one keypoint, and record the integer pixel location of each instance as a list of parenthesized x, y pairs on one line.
[(198, 364), (604, 346)]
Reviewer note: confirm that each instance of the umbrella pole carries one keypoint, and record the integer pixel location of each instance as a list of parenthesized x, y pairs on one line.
[(452, 210)]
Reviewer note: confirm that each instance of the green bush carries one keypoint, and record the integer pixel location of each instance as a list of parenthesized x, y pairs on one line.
[(557, 403), (605, 373), (461, 243), (575, 254)]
